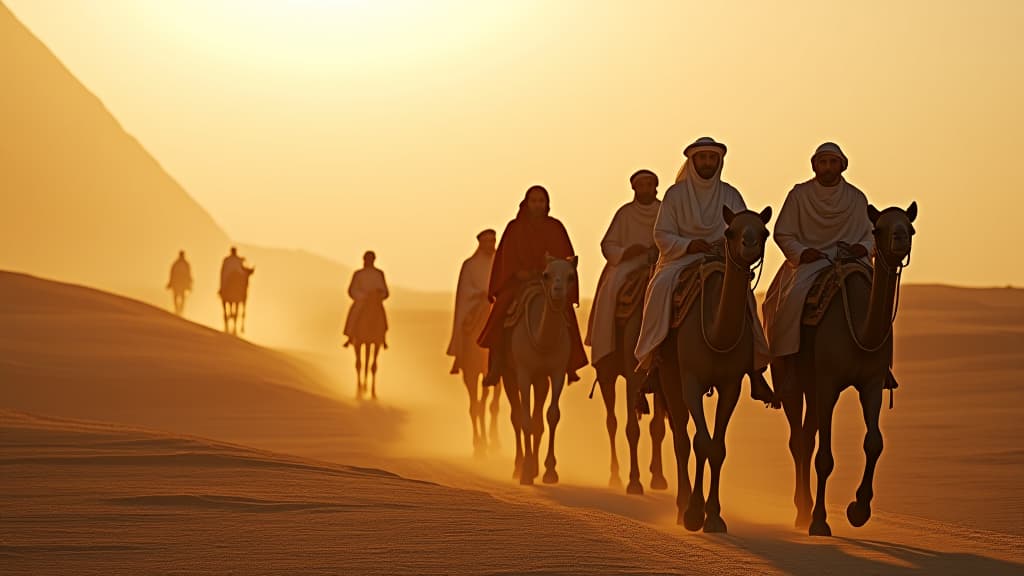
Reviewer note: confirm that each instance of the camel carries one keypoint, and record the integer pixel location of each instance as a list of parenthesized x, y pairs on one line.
[(622, 362), (233, 297), (471, 361), (850, 347), (366, 366), (538, 352), (712, 349)]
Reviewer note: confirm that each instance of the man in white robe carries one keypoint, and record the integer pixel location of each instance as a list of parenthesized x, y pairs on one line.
[(689, 223), (817, 216), (625, 247), (367, 322), (471, 308)]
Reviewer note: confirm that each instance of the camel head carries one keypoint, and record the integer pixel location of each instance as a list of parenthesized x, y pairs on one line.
[(746, 234), (559, 277), (894, 232)]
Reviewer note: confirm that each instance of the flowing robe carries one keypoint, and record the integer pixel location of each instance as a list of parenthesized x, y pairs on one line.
[(471, 307), (367, 322)]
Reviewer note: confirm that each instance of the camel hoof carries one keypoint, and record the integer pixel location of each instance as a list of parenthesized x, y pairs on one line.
[(715, 525), (858, 514), (525, 480), (693, 519), (551, 477), (820, 528), (517, 472), (803, 521), (658, 482), (615, 483), (635, 488)]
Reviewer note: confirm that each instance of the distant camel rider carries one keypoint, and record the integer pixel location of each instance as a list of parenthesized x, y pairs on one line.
[(519, 259), (367, 323), (233, 264), (180, 282)]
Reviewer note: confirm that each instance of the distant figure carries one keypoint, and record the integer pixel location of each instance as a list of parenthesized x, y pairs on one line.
[(234, 290), (180, 283), (829, 319), (471, 309), (614, 327), (367, 324)]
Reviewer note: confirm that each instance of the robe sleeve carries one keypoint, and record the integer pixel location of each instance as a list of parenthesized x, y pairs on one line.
[(670, 244), (787, 230), (611, 245)]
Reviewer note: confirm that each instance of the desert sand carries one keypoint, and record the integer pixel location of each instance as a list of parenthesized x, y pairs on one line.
[(136, 442)]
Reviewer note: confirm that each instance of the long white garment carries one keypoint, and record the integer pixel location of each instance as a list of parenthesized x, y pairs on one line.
[(813, 216), (692, 210), (471, 309), (633, 224)]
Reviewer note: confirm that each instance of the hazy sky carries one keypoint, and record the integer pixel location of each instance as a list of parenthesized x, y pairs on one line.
[(406, 126)]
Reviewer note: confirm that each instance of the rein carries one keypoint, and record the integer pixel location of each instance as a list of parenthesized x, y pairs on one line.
[(703, 327), (549, 305)]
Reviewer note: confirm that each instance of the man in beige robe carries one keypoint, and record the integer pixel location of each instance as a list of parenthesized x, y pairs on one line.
[(688, 224), (367, 322), (471, 308), (625, 247), (817, 216)]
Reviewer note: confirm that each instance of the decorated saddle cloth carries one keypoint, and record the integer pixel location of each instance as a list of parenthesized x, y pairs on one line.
[(521, 304), (631, 295), (690, 283), (827, 285)]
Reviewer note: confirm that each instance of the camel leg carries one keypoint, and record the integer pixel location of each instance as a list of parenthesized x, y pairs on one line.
[(359, 371), (472, 389), (859, 511), (824, 463), (526, 422), (241, 307), (541, 388), (373, 368), (495, 438), (515, 415), (607, 383), (679, 417), (633, 434), (693, 519), (793, 406), (366, 366), (224, 308), (658, 481), (728, 395), (554, 416)]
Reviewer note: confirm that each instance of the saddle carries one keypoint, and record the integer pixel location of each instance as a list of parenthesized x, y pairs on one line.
[(631, 295), (691, 283), (827, 285), (521, 304)]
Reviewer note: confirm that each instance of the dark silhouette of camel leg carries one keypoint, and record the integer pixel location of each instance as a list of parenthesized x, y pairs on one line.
[(679, 417), (824, 462), (694, 517), (224, 308), (373, 370), (241, 306), (493, 436), (793, 406), (606, 380), (728, 395), (523, 379), (516, 416), (554, 416), (658, 481), (540, 397), (633, 434), (475, 418), (359, 369), (859, 511)]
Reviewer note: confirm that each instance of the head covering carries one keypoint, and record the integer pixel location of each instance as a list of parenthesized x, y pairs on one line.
[(641, 172), (704, 142), (522, 205), (830, 149), (485, 233)]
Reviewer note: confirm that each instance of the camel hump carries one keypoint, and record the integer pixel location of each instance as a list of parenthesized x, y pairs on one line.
[(827, 285)]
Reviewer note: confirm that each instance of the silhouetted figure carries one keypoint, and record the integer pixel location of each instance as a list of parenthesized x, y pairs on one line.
[(701, 303), (180, 283), (234, 290), (828, 315), (614, 325), (471, 307), (367, 324), (535, 266)]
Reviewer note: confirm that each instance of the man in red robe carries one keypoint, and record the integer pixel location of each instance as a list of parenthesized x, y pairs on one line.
[(519, 259)]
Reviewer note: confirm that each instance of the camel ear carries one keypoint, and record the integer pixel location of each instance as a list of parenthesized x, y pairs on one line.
[(766, 214), (548, 258), (873, 214), (575, 261), (728, 215), (912, 211)]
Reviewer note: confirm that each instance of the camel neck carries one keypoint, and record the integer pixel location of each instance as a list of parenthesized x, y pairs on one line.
[(877, 325), (552, 324), (732, 306)]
